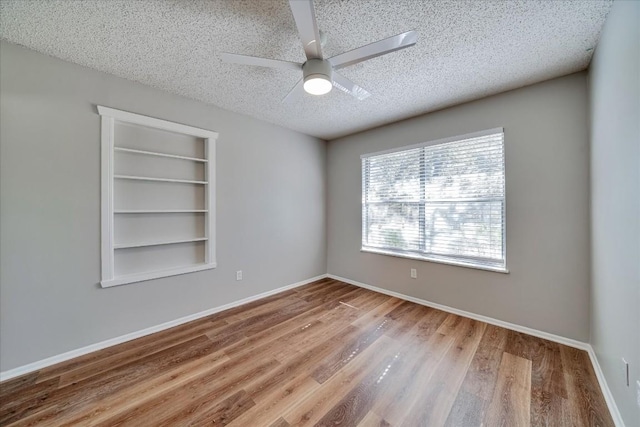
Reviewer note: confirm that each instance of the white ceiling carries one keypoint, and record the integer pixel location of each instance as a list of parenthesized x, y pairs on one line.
[(466, 50)]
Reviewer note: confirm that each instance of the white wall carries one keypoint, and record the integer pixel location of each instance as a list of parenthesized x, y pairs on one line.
[(547, 182), (615, 203), (271, 188)]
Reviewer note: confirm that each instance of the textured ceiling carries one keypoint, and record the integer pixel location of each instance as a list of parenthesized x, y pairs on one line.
[(466, 50)]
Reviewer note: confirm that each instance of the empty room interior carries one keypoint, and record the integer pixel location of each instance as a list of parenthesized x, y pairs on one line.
[(319, 213)]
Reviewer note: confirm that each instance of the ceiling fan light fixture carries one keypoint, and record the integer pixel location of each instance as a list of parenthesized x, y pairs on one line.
[(317, 84), (318, 78), (318, 75)]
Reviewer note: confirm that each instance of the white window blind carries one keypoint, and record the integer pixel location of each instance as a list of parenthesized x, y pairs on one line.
[(441, 201)]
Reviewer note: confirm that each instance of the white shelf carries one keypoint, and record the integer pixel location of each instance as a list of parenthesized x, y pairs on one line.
[(140, 277), (154, 153), (160, 211), (146, 178), (158, 243)]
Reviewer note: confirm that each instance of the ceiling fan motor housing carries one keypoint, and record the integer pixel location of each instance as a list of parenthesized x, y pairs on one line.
[(317, 68)]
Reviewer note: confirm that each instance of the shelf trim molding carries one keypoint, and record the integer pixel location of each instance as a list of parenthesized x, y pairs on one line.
[(154, 153), (210, 199), (106, 216), (150, 275), (109, 118), (152, 122)]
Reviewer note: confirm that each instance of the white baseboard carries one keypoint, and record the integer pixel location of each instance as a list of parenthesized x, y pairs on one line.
[(536, 333), (49, 361), (613, 408), (608, 397)]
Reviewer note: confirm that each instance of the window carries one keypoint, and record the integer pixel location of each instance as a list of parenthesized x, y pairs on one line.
[(440, 201), (158, 198)]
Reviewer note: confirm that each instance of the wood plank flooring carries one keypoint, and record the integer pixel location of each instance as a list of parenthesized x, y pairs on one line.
[(325, 354)]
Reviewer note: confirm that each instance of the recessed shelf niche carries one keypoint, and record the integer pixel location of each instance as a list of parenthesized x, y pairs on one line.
[(158, 198)]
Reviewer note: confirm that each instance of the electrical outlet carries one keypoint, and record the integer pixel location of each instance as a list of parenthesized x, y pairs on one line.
[(625, 372), (414, 273), (239, 275)]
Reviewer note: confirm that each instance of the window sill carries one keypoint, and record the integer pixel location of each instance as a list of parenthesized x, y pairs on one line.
[(436, 260)]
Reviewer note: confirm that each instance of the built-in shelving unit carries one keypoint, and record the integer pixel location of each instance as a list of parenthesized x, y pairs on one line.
[(158, 198)]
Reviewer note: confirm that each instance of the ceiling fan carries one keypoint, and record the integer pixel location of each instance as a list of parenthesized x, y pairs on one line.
[(318, 74)]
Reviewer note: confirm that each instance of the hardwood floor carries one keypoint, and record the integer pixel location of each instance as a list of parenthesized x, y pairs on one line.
[(324, 354)]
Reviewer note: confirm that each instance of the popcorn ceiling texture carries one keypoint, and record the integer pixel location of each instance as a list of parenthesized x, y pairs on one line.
[(466, 50)]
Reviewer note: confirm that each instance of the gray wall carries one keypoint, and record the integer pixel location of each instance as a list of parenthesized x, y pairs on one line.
[(547, 181), (615, 203), (271, 190)]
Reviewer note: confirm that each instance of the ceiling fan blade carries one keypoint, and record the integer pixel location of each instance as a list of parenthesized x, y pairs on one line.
[(234, 58), (346, 85), (305, 17), (294, 93), (381, 47)]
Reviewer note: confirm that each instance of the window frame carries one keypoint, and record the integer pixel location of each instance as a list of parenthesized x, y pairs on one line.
[(441, 259)]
